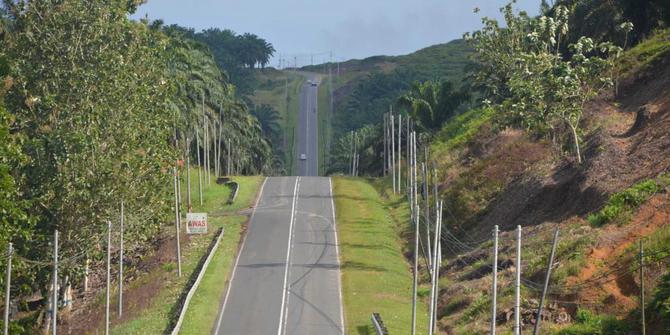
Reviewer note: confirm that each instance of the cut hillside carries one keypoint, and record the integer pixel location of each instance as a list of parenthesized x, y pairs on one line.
[(602, 207)]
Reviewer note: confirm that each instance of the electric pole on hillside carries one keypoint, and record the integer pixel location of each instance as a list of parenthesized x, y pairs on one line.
[(536, 329), (385, 161), (494, 288), (393, 151)]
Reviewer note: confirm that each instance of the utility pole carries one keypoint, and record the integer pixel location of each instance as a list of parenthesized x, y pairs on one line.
[(177, 223), (393, 152), (536, 330), (517, 285), (399, 145), (408, 149), (8, 281), (642, 304), (435, 276), (385, 165), (353, 153), (121, 262), (426, 213), (109, 266), (197, 146), (494, 289), (54, 298), (188, 175), (416, 271)]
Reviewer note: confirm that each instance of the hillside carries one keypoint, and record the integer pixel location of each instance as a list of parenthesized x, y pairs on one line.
[(602, 208), (365, 88)]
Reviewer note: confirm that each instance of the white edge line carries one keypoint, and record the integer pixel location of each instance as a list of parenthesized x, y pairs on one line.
[(337, 252), (237, 260), (194, 288), (288, 255)]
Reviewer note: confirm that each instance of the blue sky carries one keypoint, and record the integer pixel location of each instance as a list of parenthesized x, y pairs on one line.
[(349, 28)]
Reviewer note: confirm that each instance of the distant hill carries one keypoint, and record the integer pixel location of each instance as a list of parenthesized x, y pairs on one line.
[(366, 88)]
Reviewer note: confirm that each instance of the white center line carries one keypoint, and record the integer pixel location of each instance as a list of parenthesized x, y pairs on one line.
[(288, 256)]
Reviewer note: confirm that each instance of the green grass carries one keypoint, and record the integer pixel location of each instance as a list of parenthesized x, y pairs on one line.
[(462, 128), (619, 208), (203, 311), (589, 323), (647, 53), (156, 317), (324, 120), (375, 275)]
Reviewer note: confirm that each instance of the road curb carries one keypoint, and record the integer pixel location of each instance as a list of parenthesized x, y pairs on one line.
[(195, 285)]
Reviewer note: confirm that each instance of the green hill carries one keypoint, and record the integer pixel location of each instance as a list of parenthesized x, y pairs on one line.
[(365, 88)]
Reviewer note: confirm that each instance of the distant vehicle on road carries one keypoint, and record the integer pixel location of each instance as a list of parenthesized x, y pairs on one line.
[(303, 157), (313, 83)]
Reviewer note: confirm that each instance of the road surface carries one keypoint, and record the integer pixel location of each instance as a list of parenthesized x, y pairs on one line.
[(308, 130), (286, 278)]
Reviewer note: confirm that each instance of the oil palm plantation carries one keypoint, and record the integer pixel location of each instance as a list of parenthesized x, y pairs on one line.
[(432, 104)]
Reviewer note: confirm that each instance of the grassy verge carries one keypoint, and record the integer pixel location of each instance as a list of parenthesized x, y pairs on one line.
[(375, 275), (282, 92), (324, 119), (202, 312)]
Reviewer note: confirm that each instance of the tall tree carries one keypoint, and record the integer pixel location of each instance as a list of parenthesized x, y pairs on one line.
[(432, 104)]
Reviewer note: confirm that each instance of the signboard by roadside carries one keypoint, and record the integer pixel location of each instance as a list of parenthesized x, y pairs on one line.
[(196, 223)]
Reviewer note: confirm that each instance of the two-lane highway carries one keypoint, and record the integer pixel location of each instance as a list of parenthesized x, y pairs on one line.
[(308, 127), (286, 278)]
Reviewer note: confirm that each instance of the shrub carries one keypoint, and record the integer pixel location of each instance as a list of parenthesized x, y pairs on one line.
[(661, 301), (620, 206), (589, 323)]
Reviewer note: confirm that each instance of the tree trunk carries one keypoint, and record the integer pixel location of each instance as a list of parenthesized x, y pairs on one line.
[(575, 138)]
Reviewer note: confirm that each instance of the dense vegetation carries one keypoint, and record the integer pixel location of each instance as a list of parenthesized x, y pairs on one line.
[(370, 86), (98, 110), (237, 55)]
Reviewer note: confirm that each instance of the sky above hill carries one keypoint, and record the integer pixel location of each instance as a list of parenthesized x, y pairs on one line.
[(308, 30)]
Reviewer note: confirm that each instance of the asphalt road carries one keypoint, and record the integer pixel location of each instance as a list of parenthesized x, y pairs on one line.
[(286, 278), (308, 130)]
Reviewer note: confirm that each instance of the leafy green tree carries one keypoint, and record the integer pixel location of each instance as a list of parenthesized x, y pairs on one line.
[(269, 119), (204, 90), (432, 104), (89, 101), (237, 54), (532, 84)]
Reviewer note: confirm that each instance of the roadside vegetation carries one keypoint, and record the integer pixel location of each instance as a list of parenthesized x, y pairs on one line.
[(96, 109), (564, 129), (375, 274), (162, 308)]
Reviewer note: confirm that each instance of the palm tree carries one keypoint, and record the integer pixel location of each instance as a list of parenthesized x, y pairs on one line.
[(432, 104), (269, 119)]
